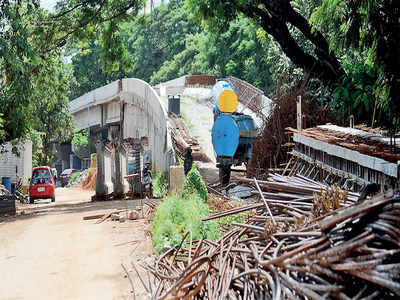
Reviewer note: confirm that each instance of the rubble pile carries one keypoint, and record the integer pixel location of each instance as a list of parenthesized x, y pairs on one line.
[(3, 190), (78, 181), (285, 251), (89, 182), (182, 139), (146, 210)]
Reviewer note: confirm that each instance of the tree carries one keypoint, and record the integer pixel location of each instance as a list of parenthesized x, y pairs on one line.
[(314, 34), (369, 30), (31, 39), (275, 17), (49, 106), (88, 70)]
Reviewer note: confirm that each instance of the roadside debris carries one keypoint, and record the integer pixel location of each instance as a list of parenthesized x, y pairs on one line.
[(351, 250), (240, 191), (183, 140), (145, 211), (89, 182), (3, 190)]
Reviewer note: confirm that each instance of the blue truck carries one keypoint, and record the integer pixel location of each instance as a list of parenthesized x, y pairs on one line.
[(233, 134)]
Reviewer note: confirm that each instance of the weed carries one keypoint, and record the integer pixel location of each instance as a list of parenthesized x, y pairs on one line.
[(176, 215), (73, 177), (194, 184), (160, 184)]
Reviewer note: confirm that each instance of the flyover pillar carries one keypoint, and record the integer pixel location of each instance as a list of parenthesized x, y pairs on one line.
[(121, 185), (104, 184)]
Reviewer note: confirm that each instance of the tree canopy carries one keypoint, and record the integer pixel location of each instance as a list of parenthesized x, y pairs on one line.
[(350, 46), (32, 44), (347, 44)]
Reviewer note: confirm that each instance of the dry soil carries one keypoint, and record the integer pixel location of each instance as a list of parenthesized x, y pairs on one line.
[(50, 252)]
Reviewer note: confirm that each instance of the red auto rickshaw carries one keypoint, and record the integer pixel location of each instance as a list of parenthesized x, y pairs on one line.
[(42, 184)]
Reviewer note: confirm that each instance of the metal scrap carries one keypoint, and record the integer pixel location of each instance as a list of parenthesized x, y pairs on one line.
[(350, 252)]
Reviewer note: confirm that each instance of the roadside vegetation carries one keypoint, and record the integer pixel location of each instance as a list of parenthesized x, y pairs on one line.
[(178, 214), (160, 184), (73, 177)]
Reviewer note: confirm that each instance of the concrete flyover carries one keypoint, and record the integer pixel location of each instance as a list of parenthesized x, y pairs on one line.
[(125, 116)]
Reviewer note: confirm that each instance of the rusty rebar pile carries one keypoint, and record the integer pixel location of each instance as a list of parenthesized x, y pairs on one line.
[(284, 251)]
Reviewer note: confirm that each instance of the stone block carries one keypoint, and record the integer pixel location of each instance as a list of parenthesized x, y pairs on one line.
[(209, 172), (176, 179)]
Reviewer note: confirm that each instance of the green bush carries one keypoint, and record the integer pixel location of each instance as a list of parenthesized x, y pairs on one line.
[(160, 184), (175, 216), (73, 177), (194, 184)]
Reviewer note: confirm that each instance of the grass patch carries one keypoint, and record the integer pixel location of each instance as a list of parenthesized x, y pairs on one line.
[(73, 177), (177, 215)]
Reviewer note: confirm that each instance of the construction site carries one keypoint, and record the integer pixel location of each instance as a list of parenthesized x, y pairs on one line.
[(320, 220)]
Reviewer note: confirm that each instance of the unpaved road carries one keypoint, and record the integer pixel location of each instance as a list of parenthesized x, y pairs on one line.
[(51, 253)]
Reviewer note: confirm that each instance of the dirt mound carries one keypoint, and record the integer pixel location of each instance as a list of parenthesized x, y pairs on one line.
[(89, 183)]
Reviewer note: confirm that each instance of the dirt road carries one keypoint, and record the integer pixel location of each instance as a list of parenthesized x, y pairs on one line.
[(51, 253)]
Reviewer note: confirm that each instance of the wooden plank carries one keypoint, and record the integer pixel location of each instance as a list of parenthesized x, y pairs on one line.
[(93, 217)]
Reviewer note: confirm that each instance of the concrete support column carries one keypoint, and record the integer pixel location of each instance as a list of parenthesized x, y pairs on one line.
[(104, 184), (121, 185)]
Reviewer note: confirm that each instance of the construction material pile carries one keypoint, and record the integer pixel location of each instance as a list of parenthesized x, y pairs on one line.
[(182, 139), (362, 141), (144, 209), (89, 182), (272, 145), (3, 190), (286, 251), (78, 180)]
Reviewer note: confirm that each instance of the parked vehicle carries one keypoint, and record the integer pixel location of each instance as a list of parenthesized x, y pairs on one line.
[(66, 175), (42, 184), (233, 133)]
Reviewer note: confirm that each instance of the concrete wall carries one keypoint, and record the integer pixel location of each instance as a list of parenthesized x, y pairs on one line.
[(174, 86), (144, 115), (12, 165)]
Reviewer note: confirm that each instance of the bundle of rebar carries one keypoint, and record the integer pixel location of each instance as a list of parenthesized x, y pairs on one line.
[(285, 250)]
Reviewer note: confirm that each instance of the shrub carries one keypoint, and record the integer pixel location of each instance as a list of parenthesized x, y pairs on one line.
[(160, 184), (73, 177), (175, 216), (194, 184)]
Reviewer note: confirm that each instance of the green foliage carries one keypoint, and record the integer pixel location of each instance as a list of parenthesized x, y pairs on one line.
[(34, 79), (160, 184), (367, 31), (36, 138), (176, 215), (228, 220), (356, 93), (194, 184), (73, 177), (80, 139), (89, 70), (167, 44)]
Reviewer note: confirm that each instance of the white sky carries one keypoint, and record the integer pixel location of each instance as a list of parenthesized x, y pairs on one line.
[(48, 4)]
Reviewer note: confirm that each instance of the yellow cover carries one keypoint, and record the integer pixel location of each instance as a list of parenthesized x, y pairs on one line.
[(227, 101)]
